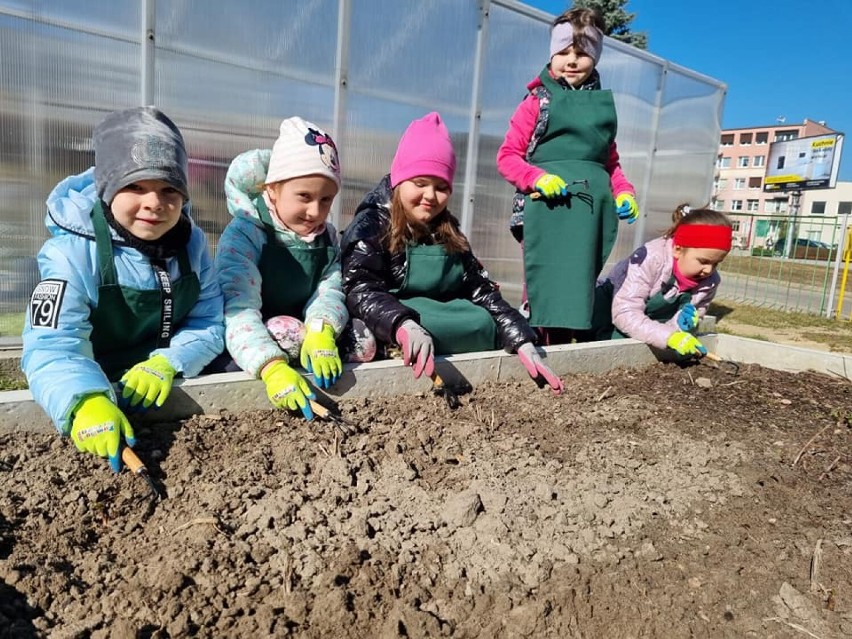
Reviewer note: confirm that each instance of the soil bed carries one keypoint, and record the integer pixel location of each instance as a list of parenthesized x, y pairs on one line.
[(659, 503)]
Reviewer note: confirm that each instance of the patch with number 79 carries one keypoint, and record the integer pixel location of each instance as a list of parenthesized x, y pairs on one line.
[(45, 303)]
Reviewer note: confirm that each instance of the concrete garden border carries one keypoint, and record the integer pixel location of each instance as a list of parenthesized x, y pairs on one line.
[(237, 391)]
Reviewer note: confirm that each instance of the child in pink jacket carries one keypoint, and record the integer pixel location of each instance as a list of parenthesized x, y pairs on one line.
[(560, 155), (659, 293)]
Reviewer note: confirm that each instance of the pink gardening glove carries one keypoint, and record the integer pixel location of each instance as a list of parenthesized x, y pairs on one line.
[(417, 348), (535, 367)]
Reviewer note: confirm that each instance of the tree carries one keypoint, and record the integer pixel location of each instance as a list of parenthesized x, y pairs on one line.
[(617, 21)]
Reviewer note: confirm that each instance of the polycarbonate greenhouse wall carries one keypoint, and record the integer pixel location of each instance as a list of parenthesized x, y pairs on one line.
[(228, 72)]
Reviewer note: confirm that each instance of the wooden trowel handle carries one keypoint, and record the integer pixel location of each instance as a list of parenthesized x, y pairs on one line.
[(713, 357), (131, 460), (319, 410)]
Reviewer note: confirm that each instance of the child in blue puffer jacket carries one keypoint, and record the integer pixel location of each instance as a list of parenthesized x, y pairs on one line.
[(127, 290)]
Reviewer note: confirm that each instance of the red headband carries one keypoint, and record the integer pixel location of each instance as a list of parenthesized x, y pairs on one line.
[(710, 236)]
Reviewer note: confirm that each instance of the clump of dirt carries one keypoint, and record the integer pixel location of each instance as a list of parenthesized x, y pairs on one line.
[(666, 502)]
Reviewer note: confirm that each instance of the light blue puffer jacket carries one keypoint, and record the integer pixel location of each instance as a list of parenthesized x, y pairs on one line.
[(58, 362)]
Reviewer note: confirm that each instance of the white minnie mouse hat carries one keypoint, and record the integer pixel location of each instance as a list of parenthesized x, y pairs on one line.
[(302, 148)]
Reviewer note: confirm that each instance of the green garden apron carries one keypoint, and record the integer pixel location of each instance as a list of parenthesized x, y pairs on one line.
[(432, 286), (290, 274), (657, 308), (129, 323), (567, 241)]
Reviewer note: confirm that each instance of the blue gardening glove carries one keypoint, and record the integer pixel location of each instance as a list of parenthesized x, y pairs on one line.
[(319, 355), (97, 427), (417, 348), (688, 318), (535, 367), (286, 388), (685, 344), (149, 382), (551, 186), (626, 207)]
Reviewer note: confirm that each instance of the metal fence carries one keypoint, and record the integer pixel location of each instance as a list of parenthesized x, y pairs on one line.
[(228, 72), (787, 263)]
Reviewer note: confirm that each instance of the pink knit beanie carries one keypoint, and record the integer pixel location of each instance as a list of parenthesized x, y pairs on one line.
[(424, 149), (302, 148)]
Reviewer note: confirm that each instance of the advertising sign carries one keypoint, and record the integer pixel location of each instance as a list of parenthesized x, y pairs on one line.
[(804, 163)]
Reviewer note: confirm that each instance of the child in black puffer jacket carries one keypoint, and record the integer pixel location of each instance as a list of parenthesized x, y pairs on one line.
[(409, 272)]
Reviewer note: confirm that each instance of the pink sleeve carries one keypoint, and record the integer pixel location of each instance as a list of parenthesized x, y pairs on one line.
[(617, 180), (703, 299), (511, 162), (628, 304)]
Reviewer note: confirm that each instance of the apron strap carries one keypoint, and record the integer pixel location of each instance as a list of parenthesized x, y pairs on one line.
[(266, 218), (103, 242), (167, 303)]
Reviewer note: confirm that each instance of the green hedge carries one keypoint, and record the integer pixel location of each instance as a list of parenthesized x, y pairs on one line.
[(762, 252)]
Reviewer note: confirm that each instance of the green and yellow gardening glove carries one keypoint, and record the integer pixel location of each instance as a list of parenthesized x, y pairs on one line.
[(149, 382), (97, 426), (686, 344), (319, 354), (286, 388), (626, 207), (551, 186)]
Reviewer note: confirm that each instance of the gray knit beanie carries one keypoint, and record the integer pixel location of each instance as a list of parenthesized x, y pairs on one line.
[(141, 143)]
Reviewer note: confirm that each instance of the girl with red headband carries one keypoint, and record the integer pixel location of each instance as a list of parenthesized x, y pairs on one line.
[(659, 293)]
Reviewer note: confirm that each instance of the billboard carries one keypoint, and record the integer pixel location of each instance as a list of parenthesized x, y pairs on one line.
[(804, 163)]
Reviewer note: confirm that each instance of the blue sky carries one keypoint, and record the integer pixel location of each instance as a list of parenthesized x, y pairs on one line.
[(778, 57)]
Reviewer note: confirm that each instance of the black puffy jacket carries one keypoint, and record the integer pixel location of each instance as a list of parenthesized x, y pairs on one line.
[(371, 271)]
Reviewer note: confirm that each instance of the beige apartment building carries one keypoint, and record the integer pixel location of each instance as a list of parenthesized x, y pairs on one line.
[(760, 217)]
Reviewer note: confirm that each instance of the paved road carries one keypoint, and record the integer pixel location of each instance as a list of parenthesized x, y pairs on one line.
[(776, 294)]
